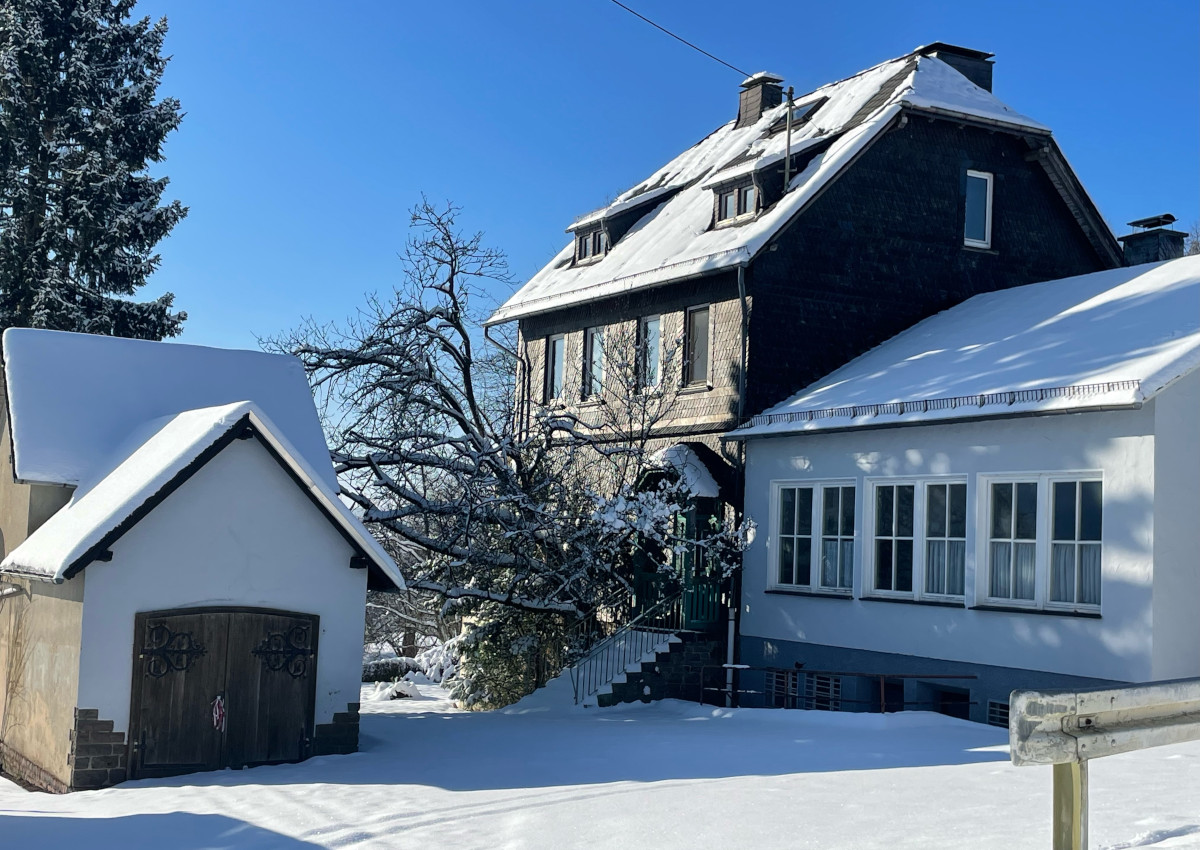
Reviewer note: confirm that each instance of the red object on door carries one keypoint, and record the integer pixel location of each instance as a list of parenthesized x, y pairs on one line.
[(218, 713)]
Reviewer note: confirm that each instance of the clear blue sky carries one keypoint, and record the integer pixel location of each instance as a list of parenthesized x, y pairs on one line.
[(312, 128)]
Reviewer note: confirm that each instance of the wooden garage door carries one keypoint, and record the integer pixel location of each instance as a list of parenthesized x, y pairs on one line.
[(221, 687)]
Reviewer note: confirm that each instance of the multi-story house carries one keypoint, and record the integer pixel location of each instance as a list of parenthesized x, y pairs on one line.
[(799, 235)]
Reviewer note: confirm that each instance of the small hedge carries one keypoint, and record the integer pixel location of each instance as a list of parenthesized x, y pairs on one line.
[(389, 669)]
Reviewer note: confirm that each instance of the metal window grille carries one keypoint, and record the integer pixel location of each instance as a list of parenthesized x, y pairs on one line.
[(997, 713), (822, 692), (781, 688)]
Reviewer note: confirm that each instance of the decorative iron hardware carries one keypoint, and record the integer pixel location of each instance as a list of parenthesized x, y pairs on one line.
[(167, 651), (287, 651)]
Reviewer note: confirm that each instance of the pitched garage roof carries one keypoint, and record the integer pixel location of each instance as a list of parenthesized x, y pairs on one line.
[(1110, 339), (74, 398), (151, 464)]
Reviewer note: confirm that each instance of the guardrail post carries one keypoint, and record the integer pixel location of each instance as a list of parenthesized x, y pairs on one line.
[(1070, 805)]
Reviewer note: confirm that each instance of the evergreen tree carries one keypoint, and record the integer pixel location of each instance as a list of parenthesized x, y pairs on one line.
[(79, 214)]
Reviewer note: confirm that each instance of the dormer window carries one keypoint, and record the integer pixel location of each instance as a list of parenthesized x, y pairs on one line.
[(737, 202), (590, 246)]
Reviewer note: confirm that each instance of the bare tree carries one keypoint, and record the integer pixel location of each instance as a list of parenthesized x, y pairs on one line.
[(538, 513), (1191, 245)]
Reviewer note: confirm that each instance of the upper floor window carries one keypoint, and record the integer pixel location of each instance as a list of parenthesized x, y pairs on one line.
[(591, 245), (556, 349), (593, 362), (814, 525), (737, 202), (1041, 557), (919, 545), (978, 227), (649, 351), (696, 345)]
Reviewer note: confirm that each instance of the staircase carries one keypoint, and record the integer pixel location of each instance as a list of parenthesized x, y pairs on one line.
[(656, 655)]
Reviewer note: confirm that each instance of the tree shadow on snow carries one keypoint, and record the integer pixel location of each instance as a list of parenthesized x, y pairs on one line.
[(664, 742), (177, 830)]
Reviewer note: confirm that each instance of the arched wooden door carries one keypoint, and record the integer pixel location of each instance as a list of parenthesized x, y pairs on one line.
[(221, 687)]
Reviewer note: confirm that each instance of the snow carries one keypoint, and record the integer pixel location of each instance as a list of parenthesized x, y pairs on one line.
[(75, 398), (1113, 338), (142, 466), (676, 239), (694, 475), (667, 775)]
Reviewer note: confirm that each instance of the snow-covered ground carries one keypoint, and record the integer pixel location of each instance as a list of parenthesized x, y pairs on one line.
[(667, 775)]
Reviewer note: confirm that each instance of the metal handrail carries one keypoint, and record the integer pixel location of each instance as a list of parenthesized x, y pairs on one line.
[(611, 656)]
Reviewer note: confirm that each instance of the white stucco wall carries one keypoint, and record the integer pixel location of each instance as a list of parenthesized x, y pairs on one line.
[(1177, 530), (239, 532), (1117, 444)]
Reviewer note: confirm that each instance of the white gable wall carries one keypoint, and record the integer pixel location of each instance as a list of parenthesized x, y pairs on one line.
[(239, 532), (1177, 530), (1119, 444)]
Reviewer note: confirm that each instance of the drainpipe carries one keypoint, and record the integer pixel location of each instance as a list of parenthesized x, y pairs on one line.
[(735, 586)]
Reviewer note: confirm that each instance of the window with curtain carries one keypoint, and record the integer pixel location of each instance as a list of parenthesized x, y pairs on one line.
[(1076, 519), (649, 344), (837, 537), (695, 367), (945, 539), (1012, 542)]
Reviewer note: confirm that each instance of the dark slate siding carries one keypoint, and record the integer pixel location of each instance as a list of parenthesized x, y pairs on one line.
[(882, 249)]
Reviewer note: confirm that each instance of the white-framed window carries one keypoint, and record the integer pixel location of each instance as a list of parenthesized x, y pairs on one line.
[(556, 348), (1044, 545), (593, 363), (977, 228), (918, 546), (747, 200), (727, 205), (813, 536), (696, 346), (649, 351)]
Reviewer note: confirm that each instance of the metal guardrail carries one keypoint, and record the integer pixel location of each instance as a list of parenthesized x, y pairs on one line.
[(1068, 728), (611, 656)]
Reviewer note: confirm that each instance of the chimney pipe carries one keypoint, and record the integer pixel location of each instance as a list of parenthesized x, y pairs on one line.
[(760, 92)]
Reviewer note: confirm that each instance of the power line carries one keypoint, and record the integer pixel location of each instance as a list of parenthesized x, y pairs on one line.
[(678, 38)]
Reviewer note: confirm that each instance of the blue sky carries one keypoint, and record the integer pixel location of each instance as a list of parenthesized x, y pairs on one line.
[(312, 128)]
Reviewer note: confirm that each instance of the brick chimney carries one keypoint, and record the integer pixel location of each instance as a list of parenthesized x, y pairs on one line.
[(975, 65), (760, 92), (1152, 240)]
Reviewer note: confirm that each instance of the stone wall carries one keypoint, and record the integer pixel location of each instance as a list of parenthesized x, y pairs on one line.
[(98, 754)]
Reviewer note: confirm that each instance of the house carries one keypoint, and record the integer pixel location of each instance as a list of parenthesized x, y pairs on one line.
[(1007, 491), (797, 236), (181, 588)]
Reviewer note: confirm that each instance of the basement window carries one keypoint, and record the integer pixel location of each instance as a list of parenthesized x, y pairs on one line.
[(977, 231)]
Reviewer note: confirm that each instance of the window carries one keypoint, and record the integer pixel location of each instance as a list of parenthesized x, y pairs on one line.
[(555, 349), (695, 368), (997, 713), (945, 539), (1075, 546), (737, 202), (583, 249), (599, 243), (746, 198), (1044, 545), (894, 537), (919, 547), (978, 228), (593, 244), (649, 344), (814, 525), (837, 537), (593, 362), (1012, 541), (822, 693), (781, 688)]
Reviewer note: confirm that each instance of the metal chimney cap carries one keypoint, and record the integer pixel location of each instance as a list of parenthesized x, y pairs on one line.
[(1154, 221)]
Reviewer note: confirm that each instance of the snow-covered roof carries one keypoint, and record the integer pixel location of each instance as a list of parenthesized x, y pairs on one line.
[(673, 239), (693, 473), (150, 464), (1110, 339), (74, 398)]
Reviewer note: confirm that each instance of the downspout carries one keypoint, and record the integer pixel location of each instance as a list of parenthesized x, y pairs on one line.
[(735, 589), (522, 381)]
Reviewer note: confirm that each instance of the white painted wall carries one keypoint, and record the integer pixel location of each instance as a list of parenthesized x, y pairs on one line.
[(1177, 530), (239, 532), (1119, 444)]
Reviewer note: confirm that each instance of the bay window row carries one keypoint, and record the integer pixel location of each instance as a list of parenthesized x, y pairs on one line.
[(1037, 539)]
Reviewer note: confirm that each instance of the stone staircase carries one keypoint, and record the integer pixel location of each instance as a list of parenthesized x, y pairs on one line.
[(671, 670)]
